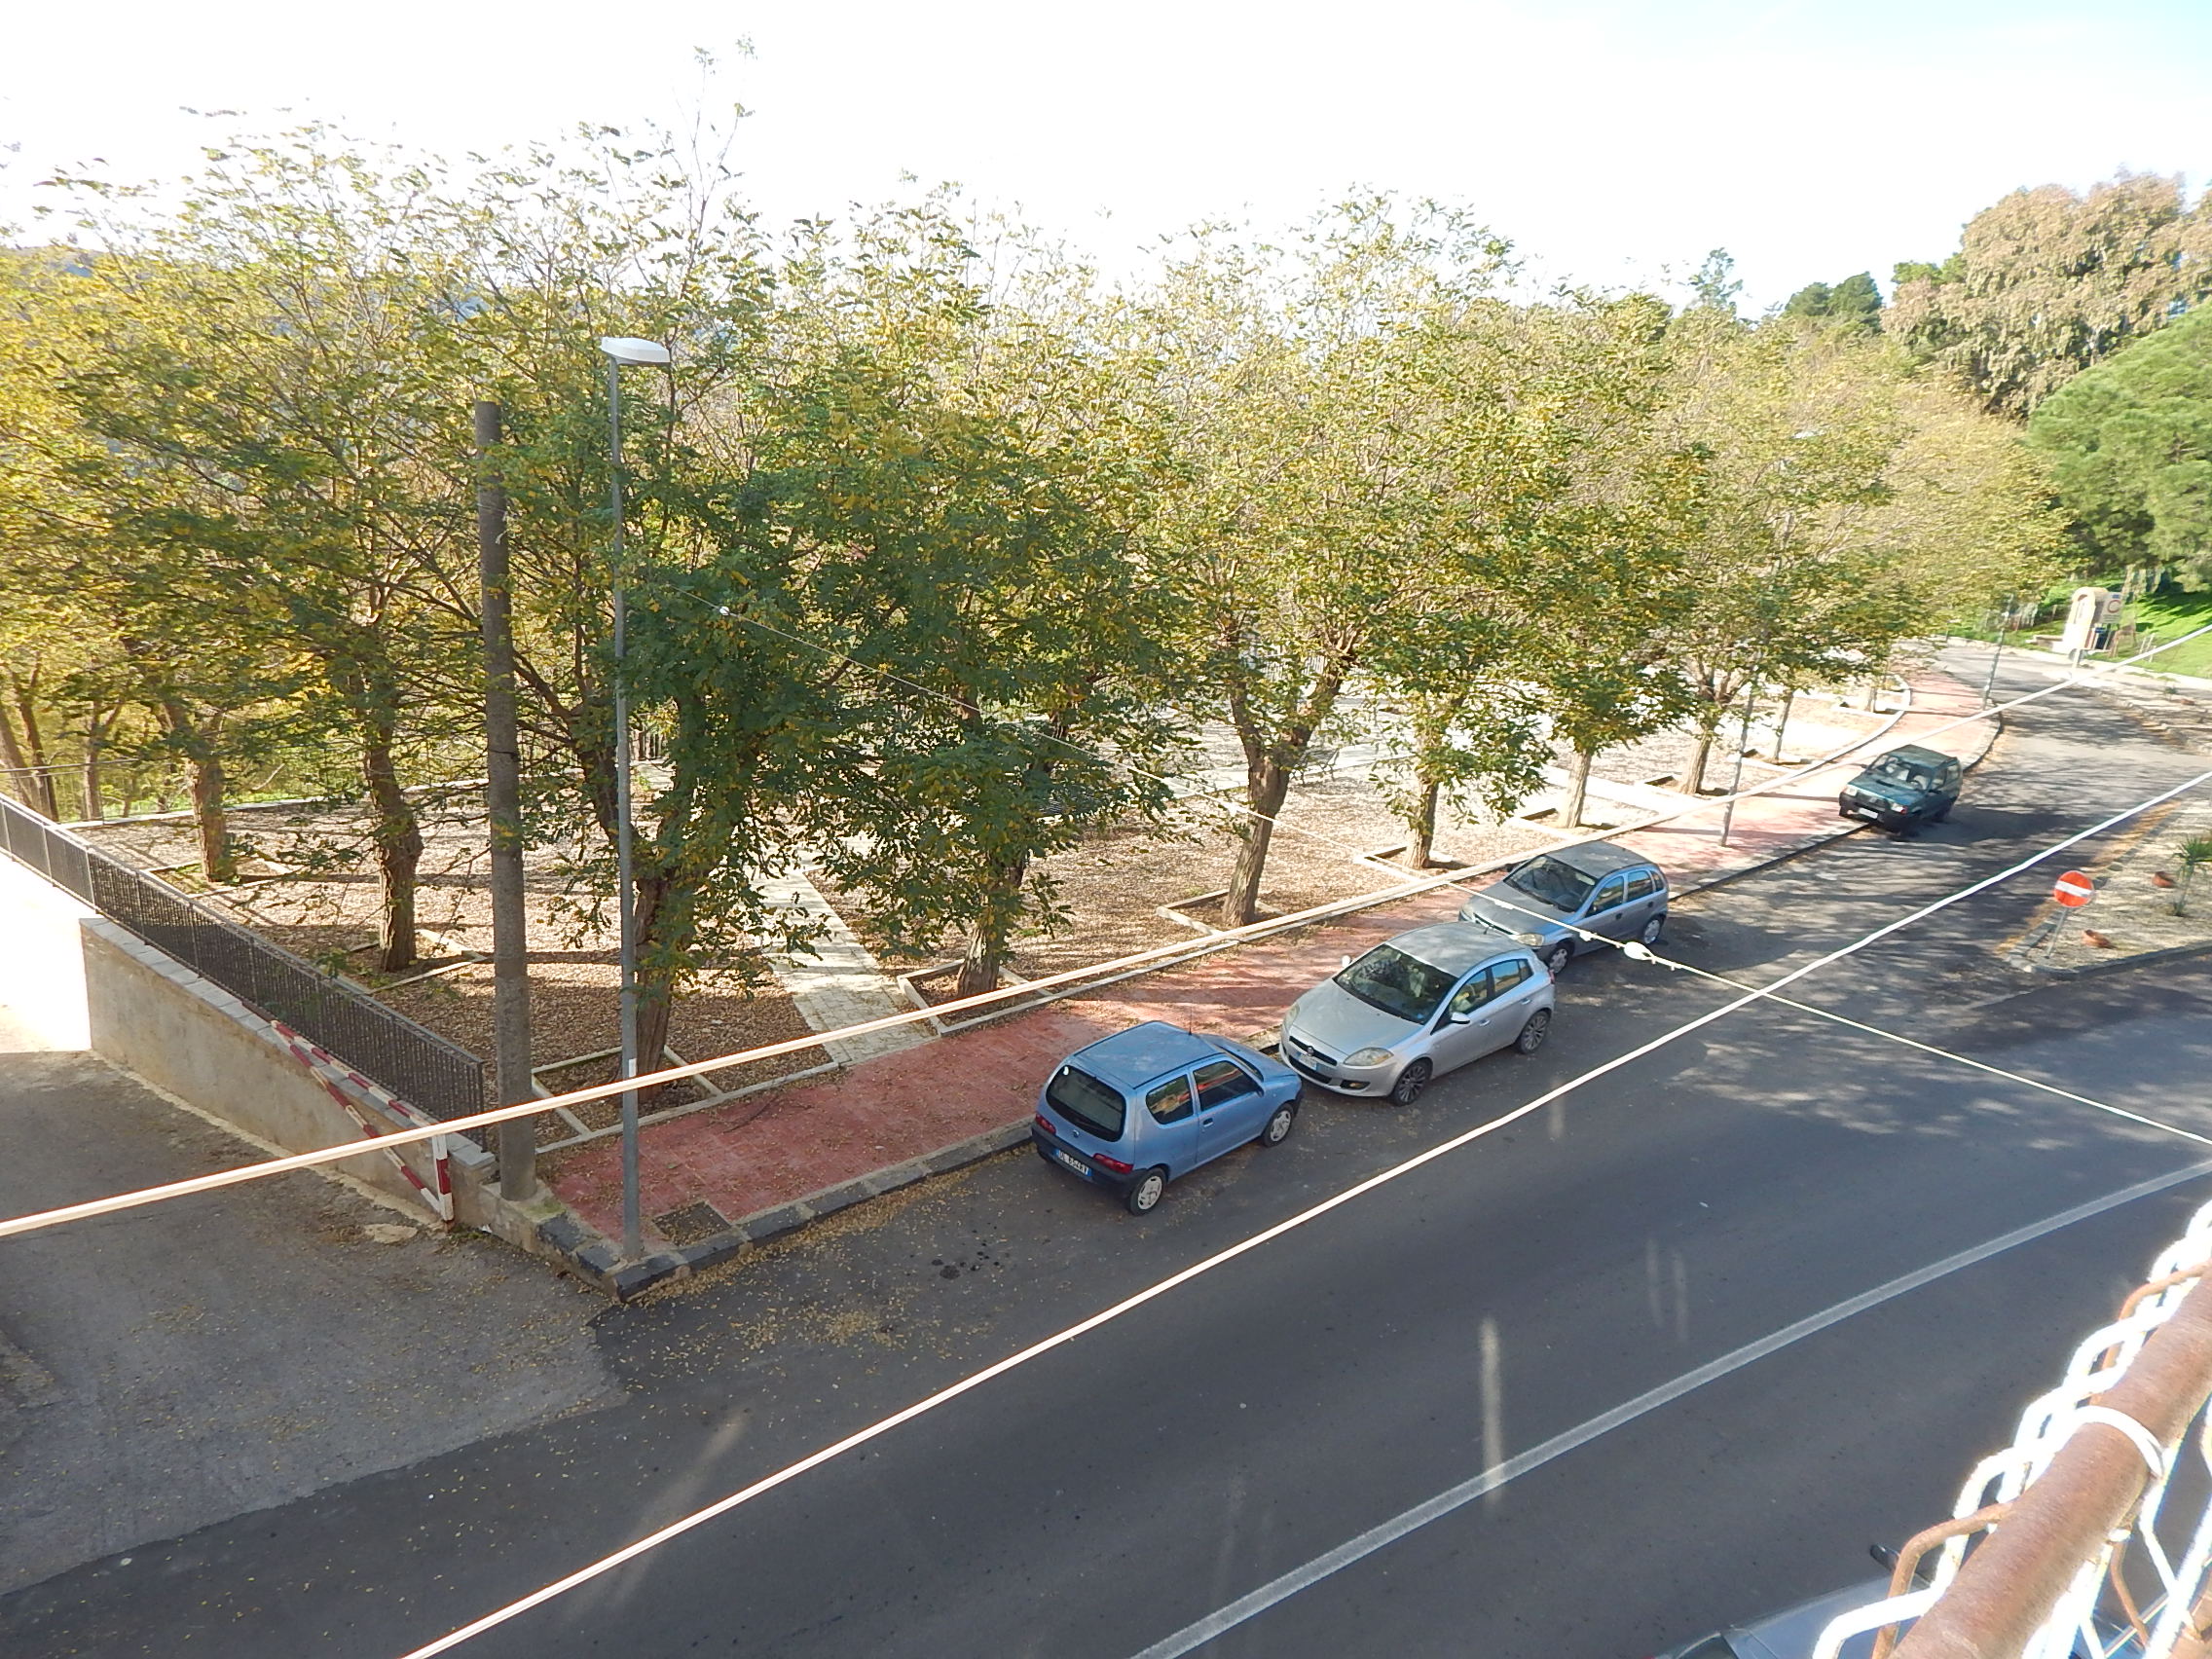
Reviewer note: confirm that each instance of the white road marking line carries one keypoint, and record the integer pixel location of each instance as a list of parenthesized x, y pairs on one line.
[(1129, 1304), (1345, 1554)]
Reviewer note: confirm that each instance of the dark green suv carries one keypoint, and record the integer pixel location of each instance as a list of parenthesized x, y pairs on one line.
[(1905, 789)]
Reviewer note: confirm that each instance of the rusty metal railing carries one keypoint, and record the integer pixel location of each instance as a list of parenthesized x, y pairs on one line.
[(2090, 1534)]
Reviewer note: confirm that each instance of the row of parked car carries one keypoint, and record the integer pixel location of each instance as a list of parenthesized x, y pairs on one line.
[(1146, 1106), (1143, 1107), (1137, 1110)]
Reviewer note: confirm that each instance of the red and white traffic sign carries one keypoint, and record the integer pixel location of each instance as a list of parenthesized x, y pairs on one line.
[(2073, 890)]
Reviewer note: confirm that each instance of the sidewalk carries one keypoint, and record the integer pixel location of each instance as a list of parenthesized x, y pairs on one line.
[(718, 1178)]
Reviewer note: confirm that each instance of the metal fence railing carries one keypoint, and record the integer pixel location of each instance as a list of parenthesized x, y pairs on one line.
[(426, 1070)]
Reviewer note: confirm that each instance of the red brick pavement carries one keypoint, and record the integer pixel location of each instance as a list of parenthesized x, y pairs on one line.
[(770, 1149)]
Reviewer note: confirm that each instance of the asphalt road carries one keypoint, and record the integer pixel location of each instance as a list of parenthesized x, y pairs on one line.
[(1127, 1486)]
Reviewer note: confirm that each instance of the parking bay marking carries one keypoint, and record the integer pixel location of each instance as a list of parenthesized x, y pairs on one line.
[(1352, 1550)]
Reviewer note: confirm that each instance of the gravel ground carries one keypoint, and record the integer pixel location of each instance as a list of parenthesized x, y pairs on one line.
[(2131, 909), (573, 976), (1114, 883), (1113, 887)]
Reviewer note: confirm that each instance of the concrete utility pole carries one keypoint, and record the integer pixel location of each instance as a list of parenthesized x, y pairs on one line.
[(503, 805)]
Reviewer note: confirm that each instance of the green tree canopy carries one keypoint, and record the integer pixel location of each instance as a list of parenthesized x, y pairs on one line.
[(2130, 448), (1854, 304), (2046, 282)]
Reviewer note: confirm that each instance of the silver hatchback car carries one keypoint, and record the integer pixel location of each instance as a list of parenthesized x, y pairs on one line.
[(1555, 900), (1424, 1002)]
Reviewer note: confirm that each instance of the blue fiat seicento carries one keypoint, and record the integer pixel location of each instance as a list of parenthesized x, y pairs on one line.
[(1135, 1110)]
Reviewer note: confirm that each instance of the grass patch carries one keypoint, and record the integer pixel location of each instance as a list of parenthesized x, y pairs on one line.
[(2168, 615)]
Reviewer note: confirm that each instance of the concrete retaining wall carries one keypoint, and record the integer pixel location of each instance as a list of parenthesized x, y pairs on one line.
[(155, 1017), (42, 964)]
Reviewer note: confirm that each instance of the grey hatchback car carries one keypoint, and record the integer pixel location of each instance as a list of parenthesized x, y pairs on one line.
[(1792, 1633), (1556, 897), (1418, 1005), (1134, 1110)]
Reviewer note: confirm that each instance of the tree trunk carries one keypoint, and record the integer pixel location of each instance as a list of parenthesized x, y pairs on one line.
[(988, 938), (398, 840), (1578, 788), (90, 774), (655, 973), (1781, 723), (22, 782), (656, 1010), (37, 792), (1693, 775), (219, 854), (1268, 781), (1421, 839)]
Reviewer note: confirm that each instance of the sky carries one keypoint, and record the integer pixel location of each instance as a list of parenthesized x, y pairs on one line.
[(1613, 143)]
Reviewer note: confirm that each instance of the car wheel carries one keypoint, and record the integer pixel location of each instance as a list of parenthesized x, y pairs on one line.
[(1558, 957), (1278, 1124), (1411, 1081), (1144, 1195), (1534, 1033), (1653, 929), (1942, 812)]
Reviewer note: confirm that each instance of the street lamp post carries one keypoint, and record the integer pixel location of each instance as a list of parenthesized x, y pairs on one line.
[(1743, 741), (621, 349), (1996, 655)]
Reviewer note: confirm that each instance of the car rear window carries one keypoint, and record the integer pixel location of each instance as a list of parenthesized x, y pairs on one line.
[(1082, 1098)]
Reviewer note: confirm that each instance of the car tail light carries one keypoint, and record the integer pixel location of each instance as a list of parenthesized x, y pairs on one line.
[(1113, 1164), (1045, 1123)]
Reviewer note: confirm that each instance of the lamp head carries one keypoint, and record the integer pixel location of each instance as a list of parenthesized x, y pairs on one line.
[(624, 350)]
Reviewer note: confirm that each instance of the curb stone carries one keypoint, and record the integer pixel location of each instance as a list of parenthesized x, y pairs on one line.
[(596, 1258), (2140, 959)]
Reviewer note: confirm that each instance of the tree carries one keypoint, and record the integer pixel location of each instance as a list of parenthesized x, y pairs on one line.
[(2130, 447), (958, 476), (1322, 405), (279, 349), (2046, 282), (628, 234), (1854, 304), (1789, 435), (99, 541), (1716, 284)]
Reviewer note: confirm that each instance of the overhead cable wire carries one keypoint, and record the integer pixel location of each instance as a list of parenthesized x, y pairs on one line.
[(39, 1220), (976, 1379)]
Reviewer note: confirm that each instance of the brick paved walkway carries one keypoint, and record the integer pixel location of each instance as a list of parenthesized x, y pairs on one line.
[(770, 1149)]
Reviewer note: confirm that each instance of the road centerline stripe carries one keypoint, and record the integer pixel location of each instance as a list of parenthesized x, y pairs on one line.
[(1378, 1537)]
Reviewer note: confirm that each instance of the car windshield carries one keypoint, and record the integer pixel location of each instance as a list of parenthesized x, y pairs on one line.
[(1389, 979), (1082, 1098), (1892, 770), (1559, 885)]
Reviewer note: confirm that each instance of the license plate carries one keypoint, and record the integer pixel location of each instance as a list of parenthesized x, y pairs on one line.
[(1865, 812), (1072, 1162)]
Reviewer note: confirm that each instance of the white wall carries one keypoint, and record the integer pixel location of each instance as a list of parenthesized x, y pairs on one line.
[(42, 963)]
